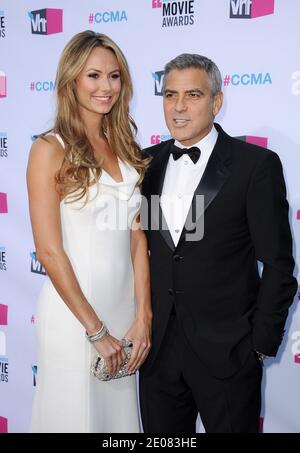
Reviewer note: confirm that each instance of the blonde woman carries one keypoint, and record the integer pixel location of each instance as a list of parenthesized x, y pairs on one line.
[(83, 185)]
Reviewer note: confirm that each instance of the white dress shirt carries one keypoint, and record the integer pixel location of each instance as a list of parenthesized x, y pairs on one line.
[(181, 180)]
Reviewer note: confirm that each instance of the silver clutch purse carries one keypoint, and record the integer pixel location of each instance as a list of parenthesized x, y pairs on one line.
[(99, 368)]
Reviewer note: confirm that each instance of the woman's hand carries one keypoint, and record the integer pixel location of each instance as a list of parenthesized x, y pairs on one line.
[(112, 352), (140, 335)]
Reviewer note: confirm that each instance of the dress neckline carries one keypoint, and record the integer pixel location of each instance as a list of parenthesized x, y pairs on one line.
[(121, 189), (121, 171)]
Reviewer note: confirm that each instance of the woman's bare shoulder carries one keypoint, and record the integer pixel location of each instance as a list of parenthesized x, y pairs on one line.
[(46, 151)]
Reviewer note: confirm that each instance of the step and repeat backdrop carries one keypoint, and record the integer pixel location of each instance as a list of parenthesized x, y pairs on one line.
[(255, 44)]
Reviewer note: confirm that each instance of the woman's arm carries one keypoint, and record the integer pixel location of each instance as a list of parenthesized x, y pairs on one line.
[(140, 331), (45, 160)]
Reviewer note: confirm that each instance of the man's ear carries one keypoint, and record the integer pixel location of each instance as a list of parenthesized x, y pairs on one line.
[(217, 102)]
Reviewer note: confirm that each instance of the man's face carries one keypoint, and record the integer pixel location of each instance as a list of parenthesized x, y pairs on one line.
[(188, 105)]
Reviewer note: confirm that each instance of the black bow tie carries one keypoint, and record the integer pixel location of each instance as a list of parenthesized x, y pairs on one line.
[(193, 153)]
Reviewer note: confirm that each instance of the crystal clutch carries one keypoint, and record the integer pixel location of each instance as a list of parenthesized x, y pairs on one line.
[(99, 368)]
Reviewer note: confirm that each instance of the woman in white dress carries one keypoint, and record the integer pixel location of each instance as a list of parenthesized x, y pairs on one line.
[(83, 185)]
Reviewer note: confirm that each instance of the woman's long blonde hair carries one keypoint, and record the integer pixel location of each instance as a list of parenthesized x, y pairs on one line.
[(74, 176)]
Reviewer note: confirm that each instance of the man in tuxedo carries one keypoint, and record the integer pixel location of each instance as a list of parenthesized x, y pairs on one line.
[(214, 316)]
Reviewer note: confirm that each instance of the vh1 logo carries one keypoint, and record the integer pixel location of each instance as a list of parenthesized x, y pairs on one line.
[(2, 85), (158, 77), (36, 266), (46, 21), (259, 141), (250, 9), (3, 203), (34, 372)]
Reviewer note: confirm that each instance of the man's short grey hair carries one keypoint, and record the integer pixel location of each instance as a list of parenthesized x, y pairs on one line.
[(190, 60)]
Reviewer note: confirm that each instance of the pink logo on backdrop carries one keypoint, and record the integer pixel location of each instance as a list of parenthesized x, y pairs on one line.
[(297, 358), (259, 141), (156, 3), (156, 139), (3, 315), (3, 92), (3, 425), (3, 203), (261, 425), (298, 214), (250, 9)]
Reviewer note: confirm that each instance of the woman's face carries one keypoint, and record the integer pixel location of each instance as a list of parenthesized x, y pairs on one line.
[(98, 86)]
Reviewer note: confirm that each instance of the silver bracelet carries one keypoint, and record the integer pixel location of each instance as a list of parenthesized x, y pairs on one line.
[(98, 335)]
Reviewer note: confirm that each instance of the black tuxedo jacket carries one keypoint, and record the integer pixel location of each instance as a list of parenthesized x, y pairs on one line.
[(223, 305)]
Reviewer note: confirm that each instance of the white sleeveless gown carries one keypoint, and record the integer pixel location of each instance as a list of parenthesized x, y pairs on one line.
[(96, 238)]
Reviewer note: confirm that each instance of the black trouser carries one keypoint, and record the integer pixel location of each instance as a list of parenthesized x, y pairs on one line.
[(178, 387)]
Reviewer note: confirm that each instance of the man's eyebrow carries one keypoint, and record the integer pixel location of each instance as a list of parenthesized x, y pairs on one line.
[(193, 90)]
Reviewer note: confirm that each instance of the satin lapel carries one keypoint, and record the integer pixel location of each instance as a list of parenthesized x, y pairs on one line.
[(158, 172), (212, 181)]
